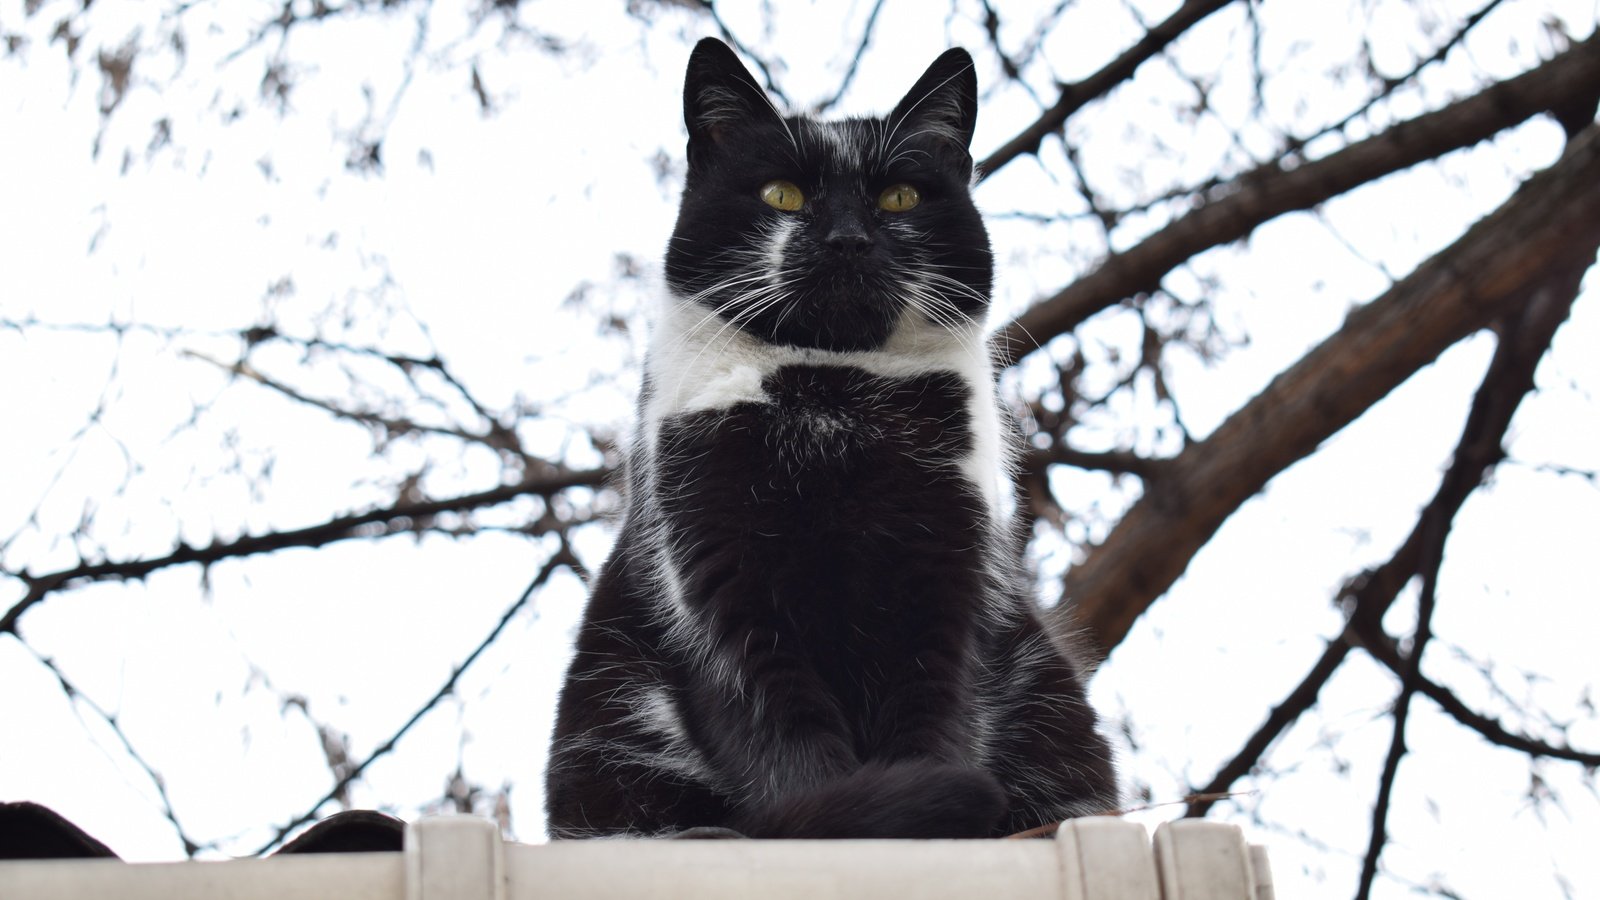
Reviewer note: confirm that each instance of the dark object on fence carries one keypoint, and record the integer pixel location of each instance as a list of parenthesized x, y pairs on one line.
[(31, 831), (352, 831)]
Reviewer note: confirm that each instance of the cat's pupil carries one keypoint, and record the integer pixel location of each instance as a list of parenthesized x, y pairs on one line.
[(784, 195)]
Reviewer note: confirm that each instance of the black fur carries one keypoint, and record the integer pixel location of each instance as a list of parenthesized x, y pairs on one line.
[(816, 622)]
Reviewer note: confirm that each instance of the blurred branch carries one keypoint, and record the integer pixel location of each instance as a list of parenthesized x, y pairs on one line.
[(1508, 379), (855, 60), (1232, 211), (390, 426), (72, 693), (1383, 649), (397, 518), (1300, 699), (562, 557), (1080, 93), (1550, 225), (1390, 85), (709, 7), (1435, 529), (1525, 336), (1119, 462), (1295, 145)]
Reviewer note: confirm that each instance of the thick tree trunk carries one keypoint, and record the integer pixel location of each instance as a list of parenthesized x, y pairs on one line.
[(1551, 223)]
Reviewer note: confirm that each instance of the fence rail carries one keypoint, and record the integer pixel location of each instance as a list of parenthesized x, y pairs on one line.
[(463, 858)]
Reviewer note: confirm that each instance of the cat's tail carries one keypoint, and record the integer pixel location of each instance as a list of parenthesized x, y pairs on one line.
[(916, 799)]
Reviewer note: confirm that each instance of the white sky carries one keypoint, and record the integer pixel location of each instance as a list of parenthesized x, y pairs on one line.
[(487, 235)]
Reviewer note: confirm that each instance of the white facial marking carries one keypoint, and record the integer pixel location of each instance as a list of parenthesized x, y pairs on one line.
[(698, 362)]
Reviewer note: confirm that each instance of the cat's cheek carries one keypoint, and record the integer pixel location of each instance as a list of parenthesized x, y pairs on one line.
[(778, 237)]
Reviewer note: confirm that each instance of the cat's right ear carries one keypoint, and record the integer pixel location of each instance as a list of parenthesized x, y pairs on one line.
[(718, 91)]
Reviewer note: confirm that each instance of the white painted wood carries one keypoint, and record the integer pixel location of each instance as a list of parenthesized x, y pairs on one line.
[(1106, 858), (1262, 870), (313, 876), (785, 870), (1071, 862), (454, 858), (1201, 860), (464, 858)]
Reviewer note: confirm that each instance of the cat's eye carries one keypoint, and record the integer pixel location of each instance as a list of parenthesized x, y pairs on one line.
[(784, 195), (898, 198)]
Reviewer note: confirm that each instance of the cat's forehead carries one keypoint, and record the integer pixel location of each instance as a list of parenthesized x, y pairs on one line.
[(846, 144), (841, 146)]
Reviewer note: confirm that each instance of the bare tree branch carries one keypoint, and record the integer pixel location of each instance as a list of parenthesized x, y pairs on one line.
[(1078, 94), (1366, 598), (1551, 224), (1390, 85), (1286, 713), (396, 518), (1435, 529), (1524, 338), (1122, 462), (562, 557), (1383, 649), (855, 60), (1232, 211), (73, 693)]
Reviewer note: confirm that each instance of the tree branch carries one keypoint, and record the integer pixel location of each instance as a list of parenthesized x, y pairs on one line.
[(1435, 528), (562, 556), (1382, 648), (1232, 211), (72, 693), (1078, 94), (1390, 85), (1551, 225), (1300, 699), (855, 60), (1114, 461), (1367, 597), (385, 520)]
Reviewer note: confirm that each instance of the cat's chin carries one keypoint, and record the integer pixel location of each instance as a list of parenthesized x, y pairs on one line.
[(835, 322)]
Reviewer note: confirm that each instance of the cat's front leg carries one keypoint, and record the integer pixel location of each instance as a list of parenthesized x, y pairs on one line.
[(925, 663), (770, 723)]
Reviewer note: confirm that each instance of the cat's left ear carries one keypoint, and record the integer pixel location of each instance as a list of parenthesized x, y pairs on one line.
[(943, 102), (718, 92)]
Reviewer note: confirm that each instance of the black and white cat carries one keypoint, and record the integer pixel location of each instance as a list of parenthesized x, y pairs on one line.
[(816, 621)]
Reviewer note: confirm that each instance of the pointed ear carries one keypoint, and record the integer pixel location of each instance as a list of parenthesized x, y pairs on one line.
[(718, 91), (943, 102)]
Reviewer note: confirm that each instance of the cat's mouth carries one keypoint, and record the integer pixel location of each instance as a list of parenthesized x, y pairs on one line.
[(843, 308)]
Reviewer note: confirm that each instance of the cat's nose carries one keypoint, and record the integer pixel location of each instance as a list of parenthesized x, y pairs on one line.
[(849, 236)]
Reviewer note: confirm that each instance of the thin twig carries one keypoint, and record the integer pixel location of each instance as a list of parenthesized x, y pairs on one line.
[(73, 693), (396, 518), (1233, 210), (1367, 597), (1382, 648), (1286, 713), (1078, 94), (1390, 85), (1436, 530), (563, 556), (855, 60)]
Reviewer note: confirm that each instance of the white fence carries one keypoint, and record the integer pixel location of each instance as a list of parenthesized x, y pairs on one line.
[(463, 858)]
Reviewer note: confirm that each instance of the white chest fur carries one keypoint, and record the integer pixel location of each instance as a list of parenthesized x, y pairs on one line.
[(698, 362)]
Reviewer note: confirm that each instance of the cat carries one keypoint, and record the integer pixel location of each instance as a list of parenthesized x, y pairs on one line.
[(816, 621)]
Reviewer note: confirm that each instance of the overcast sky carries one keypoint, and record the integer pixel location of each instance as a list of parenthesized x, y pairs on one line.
[(472, 243)]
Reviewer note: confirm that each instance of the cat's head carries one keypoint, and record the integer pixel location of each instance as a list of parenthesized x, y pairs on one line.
[(827, 234)]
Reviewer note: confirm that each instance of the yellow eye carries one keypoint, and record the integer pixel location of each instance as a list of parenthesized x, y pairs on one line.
[(898, 198), (782, 195)]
